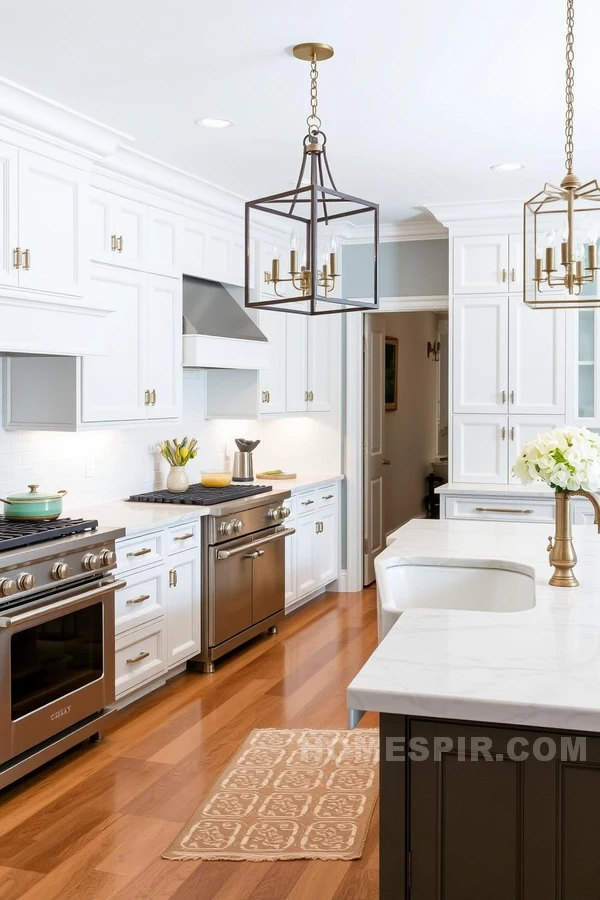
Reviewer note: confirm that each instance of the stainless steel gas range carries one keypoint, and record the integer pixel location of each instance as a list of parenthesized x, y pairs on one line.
[(57, 639), (243, 563)]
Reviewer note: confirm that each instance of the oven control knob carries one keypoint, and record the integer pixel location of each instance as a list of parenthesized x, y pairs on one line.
[(237, 525), (7, 587), (285, 512), (60, 571), (226, 528), (109, 558), (93, 561), (273, 514), (25, 581)]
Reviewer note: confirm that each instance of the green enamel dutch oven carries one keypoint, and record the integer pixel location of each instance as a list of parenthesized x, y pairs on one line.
[(34, 506)]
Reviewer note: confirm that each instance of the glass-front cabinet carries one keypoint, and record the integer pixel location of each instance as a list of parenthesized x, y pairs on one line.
[(583, 367)]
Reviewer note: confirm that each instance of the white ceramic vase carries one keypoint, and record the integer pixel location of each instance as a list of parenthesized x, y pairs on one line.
[(177, 479)]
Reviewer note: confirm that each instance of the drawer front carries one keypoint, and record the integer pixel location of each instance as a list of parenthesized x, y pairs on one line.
[(306, 502), (142, 550), (142, 600), (327, 495), (183, 537), (140, 656), (500, 510)]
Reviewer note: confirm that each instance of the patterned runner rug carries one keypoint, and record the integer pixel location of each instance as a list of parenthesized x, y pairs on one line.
[(288, 794)]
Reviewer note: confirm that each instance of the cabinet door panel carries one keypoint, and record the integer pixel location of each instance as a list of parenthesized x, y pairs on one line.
[(53, 220), (164, 347), (480, 449), (113, 385), (327, 546), (296, 363), (524, 428), (162, 242), (320, 331), (515, 261), (191, 247), (9, 231), (481, 264), (480, 354), (130, 225), (305, 548), (102, 248), (536, 375), (272, 384), (183, 607)]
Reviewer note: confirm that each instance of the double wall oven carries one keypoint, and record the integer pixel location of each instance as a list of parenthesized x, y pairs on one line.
[(57, 671)]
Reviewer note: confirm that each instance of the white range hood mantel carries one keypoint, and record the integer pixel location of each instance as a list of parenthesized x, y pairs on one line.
[(203, 351), (52, 326)]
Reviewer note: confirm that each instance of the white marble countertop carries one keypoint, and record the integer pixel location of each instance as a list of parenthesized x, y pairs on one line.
[(137, 518), (535, 490), (539, 667)]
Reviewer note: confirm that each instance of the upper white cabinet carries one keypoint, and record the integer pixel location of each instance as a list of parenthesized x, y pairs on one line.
[(536, 360), (583, 367), (272, 381), (9, 219), (480, 369), (507, 358), (206, 250), (296, 356), (487, 264), (308, 363), (138, 380)]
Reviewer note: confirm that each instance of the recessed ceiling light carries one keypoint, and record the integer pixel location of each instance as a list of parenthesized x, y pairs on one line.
[(507, 167), (214, 123)]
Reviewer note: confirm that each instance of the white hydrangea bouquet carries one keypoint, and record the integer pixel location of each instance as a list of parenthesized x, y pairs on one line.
[(568, 459)]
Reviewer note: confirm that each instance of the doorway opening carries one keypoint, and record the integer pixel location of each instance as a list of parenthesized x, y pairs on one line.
[(405, 422)]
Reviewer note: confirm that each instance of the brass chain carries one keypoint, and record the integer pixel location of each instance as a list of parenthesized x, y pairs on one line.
[(313, 121), (570, 76)]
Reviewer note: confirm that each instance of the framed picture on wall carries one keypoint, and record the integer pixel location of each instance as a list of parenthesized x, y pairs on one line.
[(391, 374)]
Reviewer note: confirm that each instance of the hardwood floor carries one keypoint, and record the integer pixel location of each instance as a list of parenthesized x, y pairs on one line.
[(93, 824)]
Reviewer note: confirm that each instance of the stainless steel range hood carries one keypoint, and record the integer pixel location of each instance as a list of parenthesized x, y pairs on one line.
[(217, 331)]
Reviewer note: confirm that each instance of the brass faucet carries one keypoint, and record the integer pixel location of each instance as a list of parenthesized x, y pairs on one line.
[(560, 547)]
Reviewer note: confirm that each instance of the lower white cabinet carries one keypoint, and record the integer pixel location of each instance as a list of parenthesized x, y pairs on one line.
[(312, 554), (158, 612)]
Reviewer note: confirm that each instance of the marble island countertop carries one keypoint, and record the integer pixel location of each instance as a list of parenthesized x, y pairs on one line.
[(539, 667), (535, 490), (137, 518)]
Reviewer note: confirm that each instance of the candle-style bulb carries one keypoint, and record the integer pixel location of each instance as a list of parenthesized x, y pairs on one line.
[(294, 239), (550, 238), (592, 234), (334, 243)]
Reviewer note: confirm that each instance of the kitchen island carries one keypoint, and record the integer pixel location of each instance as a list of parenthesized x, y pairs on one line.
[(490, 722)]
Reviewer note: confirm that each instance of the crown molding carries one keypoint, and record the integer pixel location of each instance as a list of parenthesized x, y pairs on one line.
[(24, 110), (452, 214), (398, 231)]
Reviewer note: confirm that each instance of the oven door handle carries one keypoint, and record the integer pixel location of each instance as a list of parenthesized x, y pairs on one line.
[(227, 554), (60, 605)]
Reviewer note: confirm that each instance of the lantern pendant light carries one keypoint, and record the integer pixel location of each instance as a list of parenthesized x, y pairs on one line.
[(307, 220), (563, 220)]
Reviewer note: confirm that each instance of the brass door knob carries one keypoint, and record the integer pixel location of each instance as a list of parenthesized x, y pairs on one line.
[(386, 462)]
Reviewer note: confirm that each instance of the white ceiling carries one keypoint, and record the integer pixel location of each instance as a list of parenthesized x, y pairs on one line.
[(418, 102)]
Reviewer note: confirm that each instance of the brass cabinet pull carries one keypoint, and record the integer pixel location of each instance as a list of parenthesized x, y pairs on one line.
[(17, 261), (328, 497), (311, 397), (139, 599), (27, 259), (113, 242), (513, 275), (489, 509), (146, 398), (143, 655), (306, 396), (512, 433), (264, 396), (307, 502), (504, 396), (153, 396), (120, 243), (184, 537), (143, 552), (503, 275), (319, 527), (503, 433), (172, 577), (512, 396)]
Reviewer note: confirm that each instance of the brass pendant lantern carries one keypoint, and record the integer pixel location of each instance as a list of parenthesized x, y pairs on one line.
[(562, 226), (307, 279)]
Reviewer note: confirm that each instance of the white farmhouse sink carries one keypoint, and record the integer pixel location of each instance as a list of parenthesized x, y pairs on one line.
[(425, 583)]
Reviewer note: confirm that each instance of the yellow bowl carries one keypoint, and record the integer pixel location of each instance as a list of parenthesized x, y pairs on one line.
[(215, 479)]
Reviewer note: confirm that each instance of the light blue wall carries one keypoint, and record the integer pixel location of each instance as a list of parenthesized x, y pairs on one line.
[(406, 269)]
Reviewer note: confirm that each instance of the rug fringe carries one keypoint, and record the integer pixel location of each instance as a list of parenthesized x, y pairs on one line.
[(183, 857)]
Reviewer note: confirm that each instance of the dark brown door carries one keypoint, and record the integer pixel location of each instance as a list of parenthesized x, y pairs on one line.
[(269, 580), (233, 597)]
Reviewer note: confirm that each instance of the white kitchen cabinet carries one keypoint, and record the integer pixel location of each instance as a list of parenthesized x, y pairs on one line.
[(272, 381), (537, 366), (480, 357), (9, 230), (524, 428), (326, 545), (162, 242), (319, 363), (487, 264), (583, 368), (312, 554), (183, 606), (305, 555), (138, 380), (479, 449), (118, 230), (291, 566), (296, 377)]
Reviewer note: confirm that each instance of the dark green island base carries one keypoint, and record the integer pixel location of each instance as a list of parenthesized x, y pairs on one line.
[(464, 829)]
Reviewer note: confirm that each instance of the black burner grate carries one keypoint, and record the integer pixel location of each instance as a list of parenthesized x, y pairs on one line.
[(21, 534), (198, 495)]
